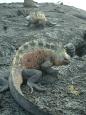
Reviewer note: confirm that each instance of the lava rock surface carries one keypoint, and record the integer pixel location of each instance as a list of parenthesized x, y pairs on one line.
[(70, 28)]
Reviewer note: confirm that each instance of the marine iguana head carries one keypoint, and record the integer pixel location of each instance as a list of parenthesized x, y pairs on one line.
[(61, 57)]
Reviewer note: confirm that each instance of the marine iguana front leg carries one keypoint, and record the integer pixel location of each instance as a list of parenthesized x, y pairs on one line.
[(47, 67), (33, 76)]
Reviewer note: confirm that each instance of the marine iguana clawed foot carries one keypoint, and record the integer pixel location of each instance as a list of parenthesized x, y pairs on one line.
[(35, 86), (3, 84)]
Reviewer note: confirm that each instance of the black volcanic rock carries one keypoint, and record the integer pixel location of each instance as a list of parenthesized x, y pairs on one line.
[(70, 28)]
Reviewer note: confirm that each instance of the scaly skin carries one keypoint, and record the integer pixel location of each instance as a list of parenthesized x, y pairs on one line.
[(38, 57), (48, 51)]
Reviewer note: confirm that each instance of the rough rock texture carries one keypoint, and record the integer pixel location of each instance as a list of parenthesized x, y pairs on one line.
[(70, 28)]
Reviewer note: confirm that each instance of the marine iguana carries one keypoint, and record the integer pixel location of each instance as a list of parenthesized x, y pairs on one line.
[(50, 51), (38, 19)]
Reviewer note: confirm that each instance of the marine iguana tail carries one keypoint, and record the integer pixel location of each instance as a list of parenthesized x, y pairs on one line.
[(16, 80)]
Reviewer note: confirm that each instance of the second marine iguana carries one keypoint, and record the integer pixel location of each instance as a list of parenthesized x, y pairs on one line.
[(38, 19), (30, 51)]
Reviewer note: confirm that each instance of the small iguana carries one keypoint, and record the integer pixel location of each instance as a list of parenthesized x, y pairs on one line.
[(31, 56), (38, 19)]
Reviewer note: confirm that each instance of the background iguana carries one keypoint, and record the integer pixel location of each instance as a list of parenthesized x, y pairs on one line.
[(38, 19), (50, 53)]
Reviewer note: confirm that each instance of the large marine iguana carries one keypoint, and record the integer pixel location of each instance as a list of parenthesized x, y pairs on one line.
[(50, 51)]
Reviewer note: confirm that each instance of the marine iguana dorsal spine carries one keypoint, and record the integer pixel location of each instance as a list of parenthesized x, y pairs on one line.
[(15, 79)]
